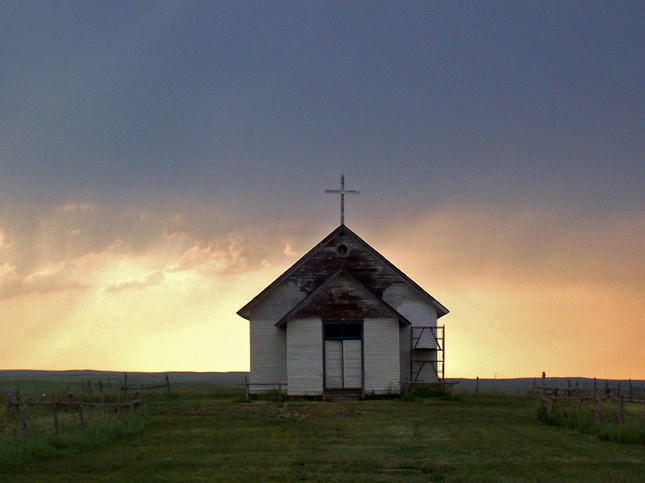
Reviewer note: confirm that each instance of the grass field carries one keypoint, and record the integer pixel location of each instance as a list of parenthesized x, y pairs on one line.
[(609, 419), (213, 435)]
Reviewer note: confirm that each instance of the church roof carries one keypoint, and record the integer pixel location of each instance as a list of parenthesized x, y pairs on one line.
[(341, 297), (342, 253)]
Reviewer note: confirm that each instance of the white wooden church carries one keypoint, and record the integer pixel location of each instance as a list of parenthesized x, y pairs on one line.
[(343, 318)]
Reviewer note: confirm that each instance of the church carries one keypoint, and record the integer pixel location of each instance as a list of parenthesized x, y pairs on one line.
[(344, 319)]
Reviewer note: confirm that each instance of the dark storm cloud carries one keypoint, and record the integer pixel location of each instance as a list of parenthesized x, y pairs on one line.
[(192, 102), (163, 158)]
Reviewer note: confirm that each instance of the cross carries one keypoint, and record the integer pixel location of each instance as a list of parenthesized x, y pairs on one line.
[(342, 192)]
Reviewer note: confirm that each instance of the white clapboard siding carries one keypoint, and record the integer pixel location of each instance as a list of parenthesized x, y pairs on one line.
[(381, 355), (404, 350), (411, 305), (407, 301), (304, 357), (269, 343)]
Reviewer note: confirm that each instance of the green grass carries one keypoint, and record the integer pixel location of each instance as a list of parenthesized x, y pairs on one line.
[(580, 415), (50, 432), (209, 435), (42, 443)]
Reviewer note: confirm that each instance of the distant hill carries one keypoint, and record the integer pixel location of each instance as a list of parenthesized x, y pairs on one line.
[(526, 383), (53, 380), (47, 381), (81, 375)]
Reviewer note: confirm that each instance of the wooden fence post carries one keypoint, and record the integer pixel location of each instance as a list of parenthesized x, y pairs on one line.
[(81, 414), (477, 386), (25, 420), (102, 398), (18, 401), (595, 394), (543, 382), (622, 411), (246, 389), (167, 385), (33, 407), (55, 415)]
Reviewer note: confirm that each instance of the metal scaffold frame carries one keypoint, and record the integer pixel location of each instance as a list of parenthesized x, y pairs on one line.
[(419, 352)]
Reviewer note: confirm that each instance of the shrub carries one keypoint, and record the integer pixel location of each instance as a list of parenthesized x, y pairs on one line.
[(429, 392)]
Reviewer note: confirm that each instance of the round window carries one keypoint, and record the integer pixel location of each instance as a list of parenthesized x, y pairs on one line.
[(342, 249)]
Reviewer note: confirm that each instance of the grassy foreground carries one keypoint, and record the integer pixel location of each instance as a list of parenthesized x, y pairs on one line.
[(606, 424), (210, 436)]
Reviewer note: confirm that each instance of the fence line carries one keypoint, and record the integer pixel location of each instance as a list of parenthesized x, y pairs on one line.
[(605, 405), (25, 410), (579, 392), (279, 386), (125, 388)]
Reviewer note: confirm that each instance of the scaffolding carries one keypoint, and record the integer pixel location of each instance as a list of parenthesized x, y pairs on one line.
[(427, 349)]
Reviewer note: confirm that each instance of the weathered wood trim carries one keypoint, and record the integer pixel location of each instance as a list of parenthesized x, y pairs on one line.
[(358, 285), (341, 230)]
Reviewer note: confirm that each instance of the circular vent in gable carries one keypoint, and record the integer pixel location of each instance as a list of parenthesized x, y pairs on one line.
[(342, 249)]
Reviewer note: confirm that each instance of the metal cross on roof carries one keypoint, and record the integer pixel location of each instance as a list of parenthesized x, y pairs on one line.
[(342, 192)]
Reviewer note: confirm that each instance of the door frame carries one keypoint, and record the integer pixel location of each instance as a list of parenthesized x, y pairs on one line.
[(334, 326)]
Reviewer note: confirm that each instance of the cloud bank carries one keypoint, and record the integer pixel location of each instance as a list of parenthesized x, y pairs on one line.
[(83, 285)]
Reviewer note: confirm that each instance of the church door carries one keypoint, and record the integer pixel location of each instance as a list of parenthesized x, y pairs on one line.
[(343, 355)]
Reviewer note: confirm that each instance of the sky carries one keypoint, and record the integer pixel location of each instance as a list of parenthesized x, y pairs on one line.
[(162, 162)]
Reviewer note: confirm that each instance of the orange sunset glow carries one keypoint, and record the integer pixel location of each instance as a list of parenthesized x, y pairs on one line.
[(166, 299)]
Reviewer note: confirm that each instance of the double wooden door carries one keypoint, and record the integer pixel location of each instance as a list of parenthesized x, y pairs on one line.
[(343, 364)]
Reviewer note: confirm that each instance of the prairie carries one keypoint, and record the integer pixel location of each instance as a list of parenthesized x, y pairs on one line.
[(209, 433)]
